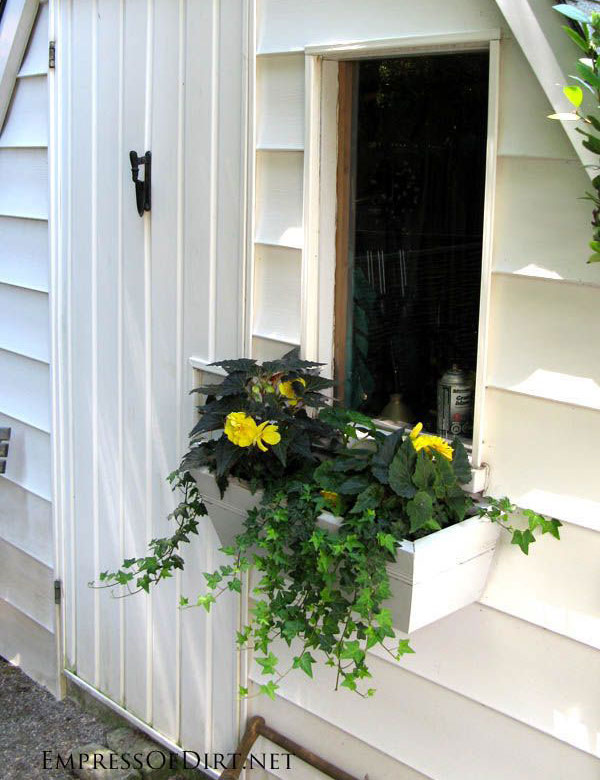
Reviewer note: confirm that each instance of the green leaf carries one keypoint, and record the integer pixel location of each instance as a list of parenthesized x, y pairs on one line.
[(574, 95), (226, 455), (460, 462), (305, 662), (387, 541), (425, 473), (401, 470), (352, 651), (572, 13), (595, 258), (403, 648), (370, 498), (354, 485), (269, 689), (380, 464), (523, 539), (576, 38), (420, 511), (268, 663), (242, 691), (588, 75)]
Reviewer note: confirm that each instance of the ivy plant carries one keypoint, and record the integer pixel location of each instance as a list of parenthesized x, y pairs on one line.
[(321, 585)]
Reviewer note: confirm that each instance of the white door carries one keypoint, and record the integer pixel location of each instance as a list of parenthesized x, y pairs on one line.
[(138, 298)]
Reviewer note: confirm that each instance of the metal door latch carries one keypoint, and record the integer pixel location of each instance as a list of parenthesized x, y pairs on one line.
[(142, 188)]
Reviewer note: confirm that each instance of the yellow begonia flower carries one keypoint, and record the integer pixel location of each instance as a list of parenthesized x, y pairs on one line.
[(266, 434), (244, 432), (286, 389), (430, 443), (240, 429), (329, 495)]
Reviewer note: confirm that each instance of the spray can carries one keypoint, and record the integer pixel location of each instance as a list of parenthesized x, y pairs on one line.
[(454, 403)]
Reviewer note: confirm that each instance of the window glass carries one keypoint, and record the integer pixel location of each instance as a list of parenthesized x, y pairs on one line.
[(418, 147)]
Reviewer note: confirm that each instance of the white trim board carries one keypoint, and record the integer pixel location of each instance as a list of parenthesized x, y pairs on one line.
[(17, 23)]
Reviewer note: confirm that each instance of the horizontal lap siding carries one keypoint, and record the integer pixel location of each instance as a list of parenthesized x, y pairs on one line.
[(484, 677), (26, 533)]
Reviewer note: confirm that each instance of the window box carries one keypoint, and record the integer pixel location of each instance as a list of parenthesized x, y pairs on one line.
[(430, 578)]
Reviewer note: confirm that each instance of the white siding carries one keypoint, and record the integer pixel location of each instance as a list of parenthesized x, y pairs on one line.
[(492, 675), (26, 535)]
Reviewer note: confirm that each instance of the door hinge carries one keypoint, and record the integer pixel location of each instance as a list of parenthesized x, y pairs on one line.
[(57, 591), (51, 54)]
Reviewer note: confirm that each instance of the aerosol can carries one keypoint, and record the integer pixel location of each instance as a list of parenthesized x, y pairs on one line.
[(454, 403)]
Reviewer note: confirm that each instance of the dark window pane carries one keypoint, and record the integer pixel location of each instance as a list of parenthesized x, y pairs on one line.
[(419, 152)]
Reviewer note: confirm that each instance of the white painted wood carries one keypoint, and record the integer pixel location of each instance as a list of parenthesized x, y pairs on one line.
[(541, 225), (453, 737), (24, 322), (279, 198), (27, 172), (35, 61), (532, 29), (531, 468), (539, 340), (25, 389), (24, 253), (285, 25), (27, 585), (556, 587), (17, 21), (267, 349), (277, 274), (28, 464), (26, 521), (27, 644), (524, 129), (347, 752), (26, 124), (280, 102)]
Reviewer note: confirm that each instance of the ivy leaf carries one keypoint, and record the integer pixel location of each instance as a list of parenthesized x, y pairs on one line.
[(574, 95), (242, 691), (572, 13), (304, 662), (269, 689), (380, 465), (268, 663), (403, 648), (352, 651), (523, 539), (387, 541), (420, 511), (400, 473), (460, 462)]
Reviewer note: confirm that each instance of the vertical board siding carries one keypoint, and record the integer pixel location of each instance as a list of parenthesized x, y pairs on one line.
[(144, 295)]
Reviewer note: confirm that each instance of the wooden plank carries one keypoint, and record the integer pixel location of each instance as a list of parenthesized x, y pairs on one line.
[(541, 224), (280, 102), (279, 178), (453, 737), (24, 322), (344, 235), (26, 521), (24, 253), (25, 643), (35, 62), (25, 389), (524, 129), (277, 279), (26, 124), (27, 172), (28, 464), (539, 340), (285, 25), (531, 470), (27, 585), (17, 21)]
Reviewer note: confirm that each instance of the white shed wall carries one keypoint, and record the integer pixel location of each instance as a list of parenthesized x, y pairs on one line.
[(508, 687), (27, 612)]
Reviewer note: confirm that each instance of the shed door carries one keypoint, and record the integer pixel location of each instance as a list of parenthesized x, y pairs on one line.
[(138, 298)]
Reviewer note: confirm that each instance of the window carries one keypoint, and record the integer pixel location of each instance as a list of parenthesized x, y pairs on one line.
[(411, 173)]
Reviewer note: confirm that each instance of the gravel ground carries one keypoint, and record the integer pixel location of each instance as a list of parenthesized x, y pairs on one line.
[(31, 721)]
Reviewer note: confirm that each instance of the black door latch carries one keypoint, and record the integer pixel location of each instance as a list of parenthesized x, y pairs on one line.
[(142, 188)]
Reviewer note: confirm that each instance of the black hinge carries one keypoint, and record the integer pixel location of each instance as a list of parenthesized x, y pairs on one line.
[(51, 54), (57, 591)]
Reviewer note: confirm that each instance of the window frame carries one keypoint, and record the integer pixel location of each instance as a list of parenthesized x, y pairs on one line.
[(321, 213)]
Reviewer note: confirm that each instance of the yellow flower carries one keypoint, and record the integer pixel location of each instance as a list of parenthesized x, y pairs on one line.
[(286, 389), (430, 443), (329, 495), (244, 432), (266, 434), (240, 429)]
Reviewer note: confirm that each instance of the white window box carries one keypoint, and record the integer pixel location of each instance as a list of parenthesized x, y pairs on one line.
[(430, 578)]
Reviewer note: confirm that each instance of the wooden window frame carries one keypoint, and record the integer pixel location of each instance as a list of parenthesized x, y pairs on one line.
[(327, 178)]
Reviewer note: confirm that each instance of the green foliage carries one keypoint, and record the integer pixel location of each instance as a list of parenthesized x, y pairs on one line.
[(586, 36), (320, 591)]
